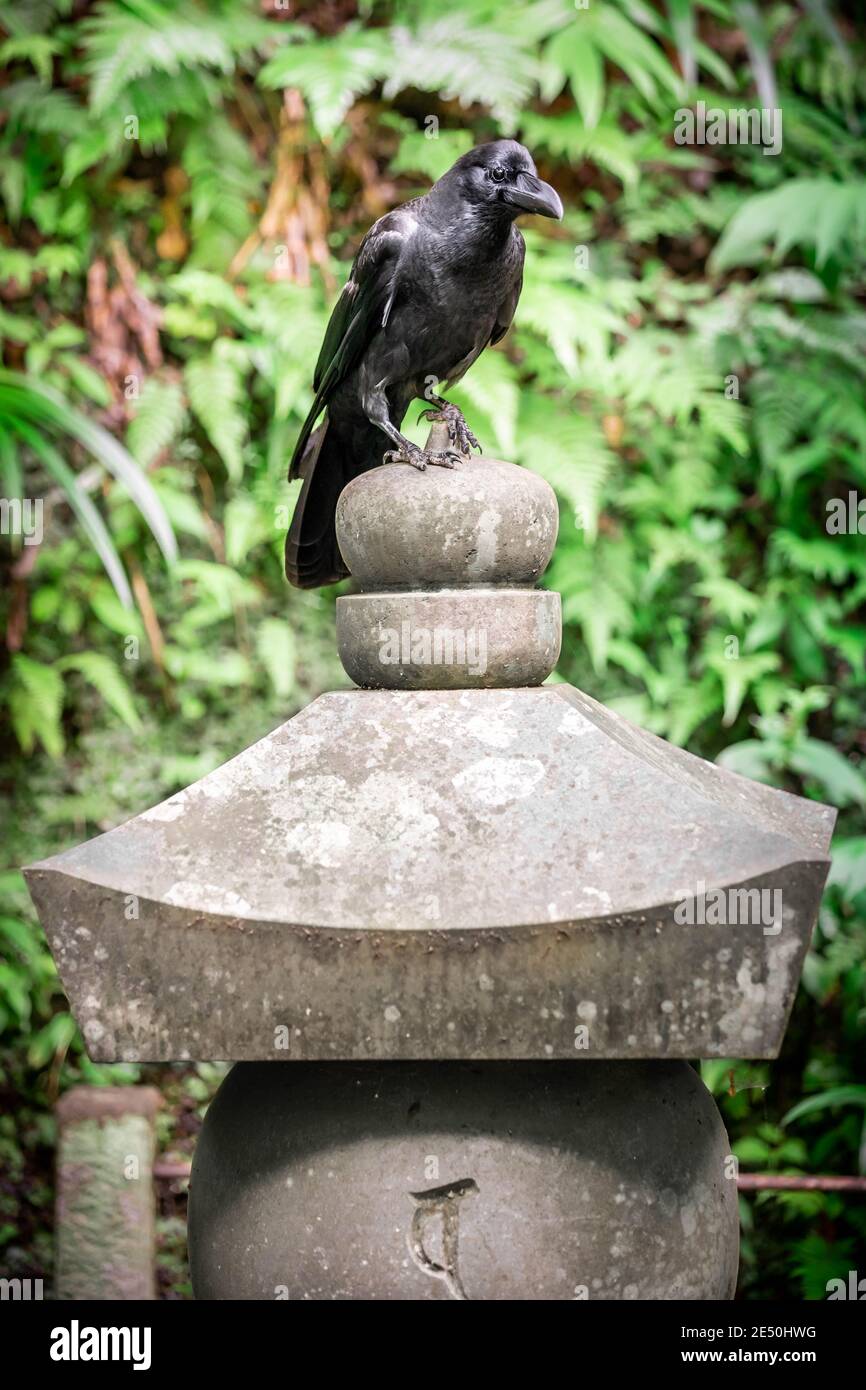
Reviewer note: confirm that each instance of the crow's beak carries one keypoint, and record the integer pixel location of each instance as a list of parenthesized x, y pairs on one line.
[(531, 194)]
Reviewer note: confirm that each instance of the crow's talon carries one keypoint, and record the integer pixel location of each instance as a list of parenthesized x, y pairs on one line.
[(419, 458), (459, 433), (403, 456)]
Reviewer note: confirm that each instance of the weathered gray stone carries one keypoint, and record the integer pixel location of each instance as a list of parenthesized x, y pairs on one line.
[(485, 873), (449, 640), (482, 522), (446, 560), (447, 1180)]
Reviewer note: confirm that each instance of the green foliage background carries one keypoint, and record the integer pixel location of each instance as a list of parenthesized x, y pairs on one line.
[(687, 369)]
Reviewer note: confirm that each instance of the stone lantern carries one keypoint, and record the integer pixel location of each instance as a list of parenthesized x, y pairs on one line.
[(484, 923)]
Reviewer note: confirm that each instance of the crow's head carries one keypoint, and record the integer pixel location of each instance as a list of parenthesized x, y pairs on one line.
[(502, 176)]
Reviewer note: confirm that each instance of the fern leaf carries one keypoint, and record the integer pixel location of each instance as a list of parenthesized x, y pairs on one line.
[(224, 182), (215, 390), (823, 558), (103, 675), (737, 676), (569, 451), (568, 135), (457, 55), (574, 51), (331, 72), (820, 213), (125, 42), (36, 704), (157, 422), (420, 155), (275, 643)]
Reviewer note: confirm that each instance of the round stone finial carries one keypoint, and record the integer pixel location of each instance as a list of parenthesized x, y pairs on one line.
[(446, 560), (482, 522)]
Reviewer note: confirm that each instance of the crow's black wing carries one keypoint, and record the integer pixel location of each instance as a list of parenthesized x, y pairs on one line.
[(361, 310), (505, 312)]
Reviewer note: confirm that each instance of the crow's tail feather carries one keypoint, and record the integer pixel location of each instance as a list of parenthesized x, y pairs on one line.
[(313, 557)]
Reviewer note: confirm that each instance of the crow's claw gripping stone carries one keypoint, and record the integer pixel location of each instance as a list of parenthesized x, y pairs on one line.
[(420, 458), (459, 432)]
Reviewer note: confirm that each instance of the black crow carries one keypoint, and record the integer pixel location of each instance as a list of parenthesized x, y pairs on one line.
[(433, 283)]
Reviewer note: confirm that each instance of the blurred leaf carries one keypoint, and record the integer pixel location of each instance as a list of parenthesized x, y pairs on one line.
[(331, 72), (682, 18), (748, 16), (848, 866), (276, 646), (245, 528), (839, 1095), (31, 402), (157, 420), (430, 155), (36, 704), (102, 673), (215, 390), (801, 212), (843, 783)]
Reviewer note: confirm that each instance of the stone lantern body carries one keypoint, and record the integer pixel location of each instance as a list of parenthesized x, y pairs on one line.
[(486, 923)]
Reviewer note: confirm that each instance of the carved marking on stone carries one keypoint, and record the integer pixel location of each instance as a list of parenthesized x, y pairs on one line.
[(441, 1201)]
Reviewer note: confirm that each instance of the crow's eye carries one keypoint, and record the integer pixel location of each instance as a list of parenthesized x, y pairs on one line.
[(497, 173)]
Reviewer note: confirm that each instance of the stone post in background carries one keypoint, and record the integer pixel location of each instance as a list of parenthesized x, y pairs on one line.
[(105, 1215)]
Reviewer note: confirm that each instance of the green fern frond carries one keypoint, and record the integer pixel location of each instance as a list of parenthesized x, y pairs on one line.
[(463, 58), (728, 599), (36, 704), (570, 320), (430, 157), (823, 558), (100, 672), (822, 214), (598, 594), (572, 456), (568, 136), (724, 419), (603, 33), (690, 705), (37, 49), (224, 183), (157, 421), (131, 39), (331, 72), (819, 334), (845, 414), (45, 111), (780, 411), (215, 388)]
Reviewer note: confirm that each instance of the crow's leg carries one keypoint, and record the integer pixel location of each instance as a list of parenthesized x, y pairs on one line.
[(459, 432), (376, 410)]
